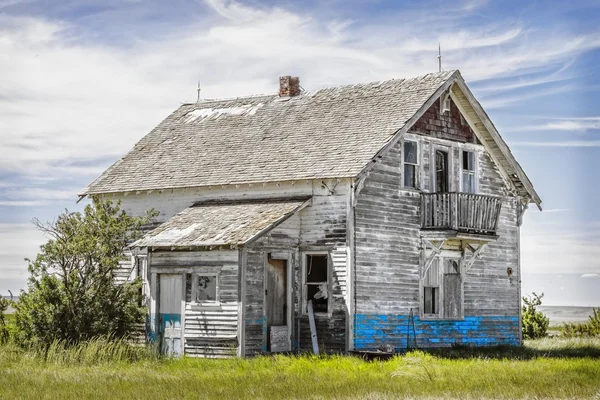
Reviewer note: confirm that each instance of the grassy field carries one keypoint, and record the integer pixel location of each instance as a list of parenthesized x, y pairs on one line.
[(550, 368)]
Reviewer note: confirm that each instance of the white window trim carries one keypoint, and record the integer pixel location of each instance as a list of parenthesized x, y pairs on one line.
[(476, 172), (304, 284), (217, 275), (417, 166), (449, 149), (445, 254)]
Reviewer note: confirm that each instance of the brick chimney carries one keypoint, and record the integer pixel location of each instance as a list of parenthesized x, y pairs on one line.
[(289, 86)]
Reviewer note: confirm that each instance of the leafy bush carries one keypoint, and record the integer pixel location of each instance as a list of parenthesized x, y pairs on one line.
[(535, 323), (4, 329), (589, 328), (72, 295)]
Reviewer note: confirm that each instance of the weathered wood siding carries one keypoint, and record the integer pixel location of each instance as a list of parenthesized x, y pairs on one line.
[(319, 227), (388, 247), (209, 330)]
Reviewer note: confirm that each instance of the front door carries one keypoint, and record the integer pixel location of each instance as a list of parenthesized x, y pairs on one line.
[(170, 288), (276, 307)]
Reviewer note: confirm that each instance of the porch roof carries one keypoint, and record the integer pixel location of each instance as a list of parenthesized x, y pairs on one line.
[(221, 223)]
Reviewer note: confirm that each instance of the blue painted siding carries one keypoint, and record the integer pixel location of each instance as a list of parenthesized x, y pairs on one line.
[(373, 330)]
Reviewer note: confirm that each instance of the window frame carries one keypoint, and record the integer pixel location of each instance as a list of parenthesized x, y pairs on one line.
[(444, 254), (475, 171), (194, 294), (305, 284), (417, 165), (449, 150)]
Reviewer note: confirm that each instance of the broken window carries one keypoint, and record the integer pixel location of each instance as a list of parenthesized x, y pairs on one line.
[(431, 290), (206, 289), (411, 164), (316, 282), (443, 289), (468, 172)]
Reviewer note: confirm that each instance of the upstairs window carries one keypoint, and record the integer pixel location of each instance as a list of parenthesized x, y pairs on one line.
[(468, 172), (411, 164), (316, 282)]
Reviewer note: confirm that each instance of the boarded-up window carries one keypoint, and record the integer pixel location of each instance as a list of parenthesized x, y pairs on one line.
[(443, 289), (316, 281), (206, 289), (468, 172), (452, 289), (411, 164)]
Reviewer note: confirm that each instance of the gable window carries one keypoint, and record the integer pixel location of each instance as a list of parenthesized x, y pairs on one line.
[(442, 294), (411, 164), (468, 178), (316, 282)]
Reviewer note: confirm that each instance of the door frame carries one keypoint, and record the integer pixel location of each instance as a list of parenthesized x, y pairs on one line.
[(286, 256), (448, 149), (159, 328)]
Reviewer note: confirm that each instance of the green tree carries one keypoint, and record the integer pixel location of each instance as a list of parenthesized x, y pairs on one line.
[(72, 295), (535, 323)]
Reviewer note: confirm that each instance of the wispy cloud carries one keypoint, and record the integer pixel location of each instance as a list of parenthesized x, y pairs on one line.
[(590, 276), (571, 124), (564, 143)]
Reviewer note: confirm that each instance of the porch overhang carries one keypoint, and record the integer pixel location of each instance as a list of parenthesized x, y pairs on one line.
[(221, 223)]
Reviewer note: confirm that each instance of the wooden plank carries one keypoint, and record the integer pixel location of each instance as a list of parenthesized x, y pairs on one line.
[(313, 328)]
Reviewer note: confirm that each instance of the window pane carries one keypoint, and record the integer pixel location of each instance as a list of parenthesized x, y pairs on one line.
[(468, 161), (431, 300), (410, 152), (207, 289), (468, 183), (410, 177), (316, 268)]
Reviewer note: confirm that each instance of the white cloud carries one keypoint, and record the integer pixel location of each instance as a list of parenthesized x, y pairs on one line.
[(64, 100), (563, 143), (590, 276), (552, 244), (570, 125), (18, 241)]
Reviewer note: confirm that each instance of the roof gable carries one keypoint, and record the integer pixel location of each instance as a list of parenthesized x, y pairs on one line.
[(329, 133)]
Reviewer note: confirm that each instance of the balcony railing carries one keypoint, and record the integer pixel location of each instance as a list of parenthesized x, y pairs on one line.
[(462, 212)]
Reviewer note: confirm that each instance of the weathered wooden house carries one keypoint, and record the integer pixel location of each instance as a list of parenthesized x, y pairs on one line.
[(392, 208)]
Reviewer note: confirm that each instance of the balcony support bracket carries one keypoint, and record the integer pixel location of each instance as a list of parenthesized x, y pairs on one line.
[(475, 253), (435, 250)]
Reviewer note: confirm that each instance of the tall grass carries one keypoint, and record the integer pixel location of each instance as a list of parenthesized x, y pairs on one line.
[(542, 369), (93, 352)]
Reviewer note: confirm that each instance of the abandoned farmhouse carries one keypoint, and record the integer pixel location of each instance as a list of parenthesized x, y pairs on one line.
[(343, 219)]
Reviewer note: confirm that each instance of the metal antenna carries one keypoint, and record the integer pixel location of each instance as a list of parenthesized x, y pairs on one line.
[(440, 57), (198, 99)]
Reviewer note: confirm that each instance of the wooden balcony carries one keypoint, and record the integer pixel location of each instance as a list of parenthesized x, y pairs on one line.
[(460, 212)]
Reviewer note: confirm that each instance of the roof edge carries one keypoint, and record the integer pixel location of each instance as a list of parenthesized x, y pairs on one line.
[(499, 141)]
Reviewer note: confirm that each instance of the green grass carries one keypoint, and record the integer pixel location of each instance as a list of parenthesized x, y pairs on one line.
[(550, 368)]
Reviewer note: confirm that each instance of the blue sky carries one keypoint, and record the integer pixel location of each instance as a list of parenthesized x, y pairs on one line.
[(82, 81)]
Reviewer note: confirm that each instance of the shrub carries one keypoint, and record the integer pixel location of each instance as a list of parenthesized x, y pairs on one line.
[(590, 328), (535, 323), (72, 295), (4, 329)]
